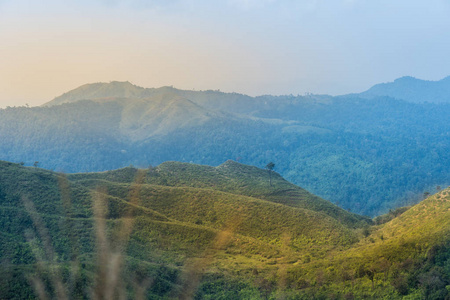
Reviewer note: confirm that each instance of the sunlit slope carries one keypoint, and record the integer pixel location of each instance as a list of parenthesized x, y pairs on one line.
[(238, 179), (413, 232), (180, 224), (409, 236), (47, 216), (408, 256), (46, 219), (26, 190)]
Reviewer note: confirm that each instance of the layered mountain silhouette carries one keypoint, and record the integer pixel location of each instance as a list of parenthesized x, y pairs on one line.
[(366, 155)]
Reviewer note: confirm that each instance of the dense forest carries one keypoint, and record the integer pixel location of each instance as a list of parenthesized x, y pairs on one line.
[(366, 155)]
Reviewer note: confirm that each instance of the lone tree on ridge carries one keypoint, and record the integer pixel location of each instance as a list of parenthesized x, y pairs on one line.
[(269, 168)]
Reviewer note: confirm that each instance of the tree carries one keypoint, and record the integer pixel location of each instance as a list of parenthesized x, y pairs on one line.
[(269, 168)]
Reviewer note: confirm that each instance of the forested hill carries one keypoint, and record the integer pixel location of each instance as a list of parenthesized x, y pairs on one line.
[(366, 155)]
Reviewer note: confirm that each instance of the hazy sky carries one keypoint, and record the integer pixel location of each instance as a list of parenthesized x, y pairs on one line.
[(254, 47)]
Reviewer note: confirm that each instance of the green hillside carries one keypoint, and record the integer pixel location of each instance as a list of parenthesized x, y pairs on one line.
[(405, 258), (235, 178), (185, 230), (50, 221)]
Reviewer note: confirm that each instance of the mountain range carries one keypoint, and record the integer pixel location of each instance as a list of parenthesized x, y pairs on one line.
[(119, 191), (367, 153)]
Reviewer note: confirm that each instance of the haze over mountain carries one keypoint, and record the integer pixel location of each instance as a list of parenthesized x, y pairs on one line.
[(412, 89), (367, 155), (270, 47), (103, 92)]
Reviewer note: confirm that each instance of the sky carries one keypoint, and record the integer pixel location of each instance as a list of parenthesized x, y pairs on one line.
[(254, 47)]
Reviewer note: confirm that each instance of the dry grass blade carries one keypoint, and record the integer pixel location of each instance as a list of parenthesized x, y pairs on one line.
[(128, 219), (39, 288), (196, 268), (109, 258), (64, 188), (48, 252), (103, 249)]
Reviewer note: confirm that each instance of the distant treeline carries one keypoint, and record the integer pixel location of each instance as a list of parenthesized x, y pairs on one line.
[(367, 156)]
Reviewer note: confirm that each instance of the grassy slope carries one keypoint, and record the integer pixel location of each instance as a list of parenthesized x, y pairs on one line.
[(396, 256), (409, 235), (235, 178), (47, 216), (190, 221)]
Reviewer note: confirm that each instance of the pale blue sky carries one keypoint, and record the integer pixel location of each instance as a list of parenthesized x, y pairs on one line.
[(248, 46)]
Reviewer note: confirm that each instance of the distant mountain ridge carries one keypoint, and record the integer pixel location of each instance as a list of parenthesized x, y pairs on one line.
[(406, 88), (99, 91), (367, 155), (144, 112), (104, 92), (209, 99), (412, 89)]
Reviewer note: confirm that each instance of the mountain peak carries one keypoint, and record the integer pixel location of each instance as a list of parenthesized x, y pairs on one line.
[(412, 89), (406, 79), (99, 90)]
